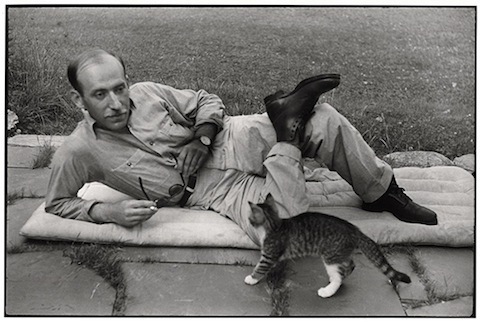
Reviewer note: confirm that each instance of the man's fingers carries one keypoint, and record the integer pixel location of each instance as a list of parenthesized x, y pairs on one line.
[(139, 204), (139, 214), (187, 163)]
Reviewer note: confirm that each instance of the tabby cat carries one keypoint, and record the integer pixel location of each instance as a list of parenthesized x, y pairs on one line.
[(313, 234)]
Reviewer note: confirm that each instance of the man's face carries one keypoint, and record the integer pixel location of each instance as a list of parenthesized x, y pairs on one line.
[(105, 93)]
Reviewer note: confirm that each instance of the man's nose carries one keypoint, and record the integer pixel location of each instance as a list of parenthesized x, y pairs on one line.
[(114, 102)]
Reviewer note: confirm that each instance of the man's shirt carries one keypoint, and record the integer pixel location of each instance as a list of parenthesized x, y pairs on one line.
[(162, 120)]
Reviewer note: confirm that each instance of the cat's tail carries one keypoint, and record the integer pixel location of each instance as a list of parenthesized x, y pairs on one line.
[(373, 252)]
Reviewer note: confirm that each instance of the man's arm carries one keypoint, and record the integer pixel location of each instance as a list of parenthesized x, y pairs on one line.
[(126, 213), (71, 170), (202, 109)]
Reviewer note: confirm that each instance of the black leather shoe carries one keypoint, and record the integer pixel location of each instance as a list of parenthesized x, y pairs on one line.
[(401, 206), (289, 112)]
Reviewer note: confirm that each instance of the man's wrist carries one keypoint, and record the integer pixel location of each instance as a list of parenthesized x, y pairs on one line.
[(206, 132), (99, 212)]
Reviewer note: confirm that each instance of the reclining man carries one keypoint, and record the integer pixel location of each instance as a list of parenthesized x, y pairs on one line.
[(151, 141)]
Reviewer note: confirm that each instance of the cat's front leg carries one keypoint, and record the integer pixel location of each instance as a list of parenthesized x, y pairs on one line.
[(263, 267), (253, 278), (250, 280)]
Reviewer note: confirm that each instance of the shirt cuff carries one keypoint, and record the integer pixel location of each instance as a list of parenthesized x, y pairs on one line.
[(287, 150), (85, 214)]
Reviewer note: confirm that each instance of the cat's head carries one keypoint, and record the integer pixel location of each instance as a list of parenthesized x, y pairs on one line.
[(265, 214)]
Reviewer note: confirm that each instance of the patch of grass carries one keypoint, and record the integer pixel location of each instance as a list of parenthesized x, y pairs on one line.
[(44, 156), (36, 92), (102, 259), (413, 68)]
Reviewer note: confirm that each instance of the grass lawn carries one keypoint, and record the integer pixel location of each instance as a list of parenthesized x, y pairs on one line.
[(408, 74)]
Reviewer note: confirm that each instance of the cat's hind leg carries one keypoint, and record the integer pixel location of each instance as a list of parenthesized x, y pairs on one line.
[(348, 268), (335, 277)]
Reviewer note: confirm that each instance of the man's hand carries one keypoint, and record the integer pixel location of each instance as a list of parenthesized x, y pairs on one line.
[(192, 156), (127, 213)]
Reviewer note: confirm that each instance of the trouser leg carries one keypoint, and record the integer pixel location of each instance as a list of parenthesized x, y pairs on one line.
[(334, 142), (284, 180)]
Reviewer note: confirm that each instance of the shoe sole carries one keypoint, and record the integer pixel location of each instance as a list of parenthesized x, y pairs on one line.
[(281, 94), (316, 78), (430, 223)]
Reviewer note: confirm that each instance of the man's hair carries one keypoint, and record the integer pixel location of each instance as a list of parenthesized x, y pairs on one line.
[(89, 55)]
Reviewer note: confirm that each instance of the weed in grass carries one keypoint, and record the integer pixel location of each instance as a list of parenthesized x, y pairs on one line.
[(15, 195), (22, 248), (33, 245), (243, 262), (278, 289), (389, 249), (12, 197), (431, 288), (44, 156), (103, 260)]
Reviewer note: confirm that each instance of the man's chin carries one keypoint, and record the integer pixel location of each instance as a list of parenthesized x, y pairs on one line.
[(117, 123), (118, 126)]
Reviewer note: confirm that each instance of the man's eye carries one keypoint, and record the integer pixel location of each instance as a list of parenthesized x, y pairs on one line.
[(99, 95), (120, 90)]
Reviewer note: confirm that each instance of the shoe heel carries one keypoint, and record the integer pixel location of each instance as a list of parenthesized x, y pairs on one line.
[(273, 97)]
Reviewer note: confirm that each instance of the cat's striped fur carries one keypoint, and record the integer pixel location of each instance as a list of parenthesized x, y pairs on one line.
[(314, 234)]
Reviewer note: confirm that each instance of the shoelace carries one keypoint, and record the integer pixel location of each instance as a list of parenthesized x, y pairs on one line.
[(398, 193)]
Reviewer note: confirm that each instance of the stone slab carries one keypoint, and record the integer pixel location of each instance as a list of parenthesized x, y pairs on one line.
[(462, 307), (413, 292), (29, 182), (422, 159), (167, 289), (224, 256), (48, 284), (33, 140), (17, 215), (466, 162), (21, 156), (450, 270), (366, 292)]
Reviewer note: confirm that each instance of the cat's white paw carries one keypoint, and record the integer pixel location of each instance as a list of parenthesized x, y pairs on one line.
[(250, 280), (325, 292)]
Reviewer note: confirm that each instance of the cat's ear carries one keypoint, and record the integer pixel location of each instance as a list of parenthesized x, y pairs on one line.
[(257, 217), (269, 201)]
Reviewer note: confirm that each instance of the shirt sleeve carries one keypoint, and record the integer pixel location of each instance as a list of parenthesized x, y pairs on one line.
[(71, 169), (198, 106)]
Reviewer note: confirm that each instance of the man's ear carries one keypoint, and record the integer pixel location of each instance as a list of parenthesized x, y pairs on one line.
[(77, 99)]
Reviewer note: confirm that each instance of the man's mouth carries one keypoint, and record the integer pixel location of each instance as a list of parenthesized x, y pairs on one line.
[(117, 117)]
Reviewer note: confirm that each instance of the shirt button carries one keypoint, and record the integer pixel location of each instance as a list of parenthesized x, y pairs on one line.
[(129, 164), (151, 143)]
